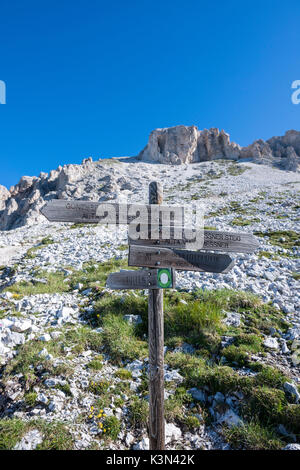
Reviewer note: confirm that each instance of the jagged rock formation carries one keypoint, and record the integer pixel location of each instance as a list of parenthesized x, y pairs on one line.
[(4, 195), (89, 181), (186, 144)]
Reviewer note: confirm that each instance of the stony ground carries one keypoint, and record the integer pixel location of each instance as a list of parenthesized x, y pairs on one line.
[(74, 354)]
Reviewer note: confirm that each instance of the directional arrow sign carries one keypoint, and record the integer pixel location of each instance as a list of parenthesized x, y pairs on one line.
[(179, 259), (182, 238), (142, 279), (59, 210)]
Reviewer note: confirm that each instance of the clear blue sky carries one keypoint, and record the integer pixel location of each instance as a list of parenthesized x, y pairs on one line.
[(93, 78)]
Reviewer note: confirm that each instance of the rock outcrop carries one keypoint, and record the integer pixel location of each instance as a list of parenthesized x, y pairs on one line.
[(89, 181), (4, 195), (187, 144)]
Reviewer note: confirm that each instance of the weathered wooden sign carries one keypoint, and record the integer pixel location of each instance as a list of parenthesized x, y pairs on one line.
[(142, 279), (185, 260), (59, 210), (157, 240), (181, 237)]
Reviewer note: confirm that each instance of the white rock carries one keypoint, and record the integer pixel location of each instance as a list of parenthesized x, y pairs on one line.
[(230, 418), (232, 319), (45, 337), (30, 441), (293, 390), (129, 439), (12, 338), (271, 343), (173, 433), (19, 326), (292, 447), (142, 445), (134, 319), (65, 312), (43, 352)]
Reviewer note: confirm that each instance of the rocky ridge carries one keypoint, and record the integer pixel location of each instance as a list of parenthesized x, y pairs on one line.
[(101, 180), (187, 144)]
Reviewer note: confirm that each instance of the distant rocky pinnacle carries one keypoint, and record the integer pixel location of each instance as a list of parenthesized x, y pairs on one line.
[(187, 144), (99, 181)]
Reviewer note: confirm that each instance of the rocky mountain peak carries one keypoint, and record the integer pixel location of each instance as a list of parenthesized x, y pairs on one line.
[(187, 144)]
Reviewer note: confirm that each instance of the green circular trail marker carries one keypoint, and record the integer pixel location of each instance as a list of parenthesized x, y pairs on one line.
[(164, 278)]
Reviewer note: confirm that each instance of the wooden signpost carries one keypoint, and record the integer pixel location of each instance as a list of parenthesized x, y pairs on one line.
[(142, 279), (60, 210), (213, 240), (183, 260), (161, 251)]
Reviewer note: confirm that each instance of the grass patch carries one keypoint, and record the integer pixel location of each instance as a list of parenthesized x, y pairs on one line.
[(30, 399), (65, 389), (80, 339), (92, 275), (99, 388), (253, 436), (96, 364), (31, 253), (284, 238), (240, 222), (235, 170), (111, 427), (267, 254), (264, 403), (56, 436), (123, 374), (121, 341), (139, 412), (175, 406)]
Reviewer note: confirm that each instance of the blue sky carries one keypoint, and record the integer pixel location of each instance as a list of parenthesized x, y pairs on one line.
[(93, 78)]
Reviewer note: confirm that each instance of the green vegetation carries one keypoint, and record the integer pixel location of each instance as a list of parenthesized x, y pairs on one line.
[(93, 275), (195, 318), (96, 364), (65, 389), (253, 436), (235, 169), (56, 436), (174, 406), (241, 222), (28, 357), (30, 399), (112, 427), (99, 388), (139, 412), (124, 374), (192, 423), (121, 341), (123, 247), (31, 253), (284, 238), (267, 254)]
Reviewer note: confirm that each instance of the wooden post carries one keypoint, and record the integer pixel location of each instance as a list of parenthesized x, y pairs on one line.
[(156, 351)]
